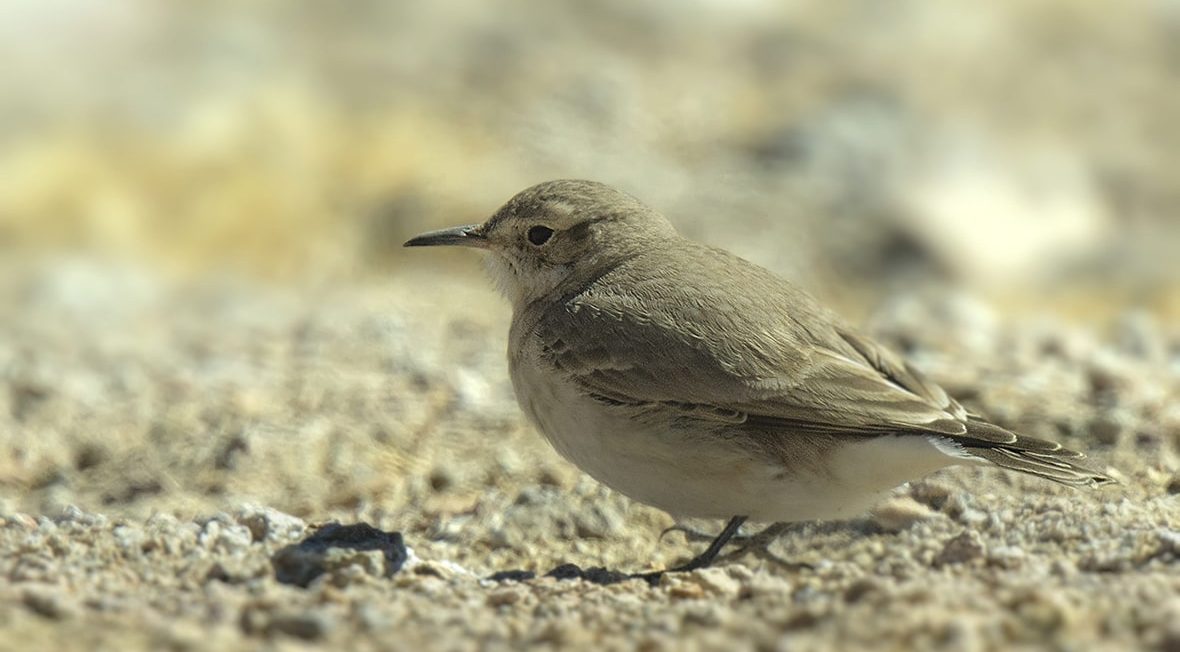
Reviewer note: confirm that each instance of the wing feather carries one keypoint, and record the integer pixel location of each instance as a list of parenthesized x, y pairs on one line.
[(773, 361)]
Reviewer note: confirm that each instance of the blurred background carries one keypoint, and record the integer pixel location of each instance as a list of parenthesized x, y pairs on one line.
[(202, 289), (1021, 147)]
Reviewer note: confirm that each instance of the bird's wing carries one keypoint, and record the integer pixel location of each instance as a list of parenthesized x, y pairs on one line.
[(779, 363), (717, 358)]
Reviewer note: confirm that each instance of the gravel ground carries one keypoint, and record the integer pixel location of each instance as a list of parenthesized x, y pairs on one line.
[(174, 448), (167, 443)]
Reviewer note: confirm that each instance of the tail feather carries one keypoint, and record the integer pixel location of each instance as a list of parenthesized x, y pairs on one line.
[(1044, 459)]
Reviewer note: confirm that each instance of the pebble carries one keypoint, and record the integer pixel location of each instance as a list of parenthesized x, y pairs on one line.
[(233, 570), (1137, 334), (956, 504), (267, 524), (73, 514), (506, 597), (20, 520), (685, 590), (717, 581), (899, 513), (964, 548), (1110, 378), (444, 569), (335, 546), (866, 587), (932, 493), (210, 574), (305, 625), (1169, 541), (1009, 557), (767, 585), (224, 534), (598, 522), (49, 601), (1109, 427)]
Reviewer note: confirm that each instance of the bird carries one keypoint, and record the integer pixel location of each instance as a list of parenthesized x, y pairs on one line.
[(695, 381)]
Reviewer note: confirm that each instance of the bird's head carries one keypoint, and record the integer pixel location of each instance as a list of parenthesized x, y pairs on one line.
[(556, 235)]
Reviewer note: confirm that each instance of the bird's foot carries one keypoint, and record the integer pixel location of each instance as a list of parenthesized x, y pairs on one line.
[(758, 544), (693, 535)]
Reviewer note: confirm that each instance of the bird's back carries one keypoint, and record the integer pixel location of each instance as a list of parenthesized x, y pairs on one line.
[(725, 340)]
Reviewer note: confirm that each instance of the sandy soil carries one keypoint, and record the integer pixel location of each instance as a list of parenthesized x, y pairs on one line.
[(166, 441)]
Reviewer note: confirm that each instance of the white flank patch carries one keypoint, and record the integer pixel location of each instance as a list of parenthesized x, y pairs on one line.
[(953, 449)]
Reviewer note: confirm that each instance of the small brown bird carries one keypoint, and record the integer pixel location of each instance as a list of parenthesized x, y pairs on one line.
[(692, 380)]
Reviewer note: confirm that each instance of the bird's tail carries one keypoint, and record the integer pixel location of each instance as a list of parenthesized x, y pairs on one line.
[(1044, 459)]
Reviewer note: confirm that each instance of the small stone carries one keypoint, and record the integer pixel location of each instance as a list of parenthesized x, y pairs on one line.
[(598, 522), (222, 533), (1170, 640), (74, 514), (900, 513), (232, 571), (162, 521), (863, 588), (1008, 557), (1149, 441), (267, 524), (765, 584), (705, 614), (717, 581), (302, 562), (1169, 541), (1063, 568), (931, 493), (20, 520), (370, 562), (309, 626), (1109, 378), (555, 476), (441, 479), (441, 569), (1137, 334), (1041, 612), (685, 590), (963, 548), (1109, 427), (49, 602), (505, 597)]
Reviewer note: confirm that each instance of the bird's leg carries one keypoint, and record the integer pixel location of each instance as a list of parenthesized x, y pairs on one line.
[(702, 560), (705, 558), (760, 542), (693, 535), (759, 545)]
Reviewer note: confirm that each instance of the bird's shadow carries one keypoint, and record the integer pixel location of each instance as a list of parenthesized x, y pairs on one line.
[(757, 544)]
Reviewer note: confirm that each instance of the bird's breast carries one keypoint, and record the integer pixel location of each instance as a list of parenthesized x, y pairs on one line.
[(691, 468), (683, 470)]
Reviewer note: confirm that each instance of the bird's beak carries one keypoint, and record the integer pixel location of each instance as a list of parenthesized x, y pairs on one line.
[(465, 236)]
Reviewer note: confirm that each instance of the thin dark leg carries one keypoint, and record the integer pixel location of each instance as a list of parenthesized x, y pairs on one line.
[(705, 558)]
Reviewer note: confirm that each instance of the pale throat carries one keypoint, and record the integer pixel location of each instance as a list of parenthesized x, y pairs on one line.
[(521, 286)]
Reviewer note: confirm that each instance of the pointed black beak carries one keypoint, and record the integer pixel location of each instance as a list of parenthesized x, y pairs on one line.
[(464, 236)]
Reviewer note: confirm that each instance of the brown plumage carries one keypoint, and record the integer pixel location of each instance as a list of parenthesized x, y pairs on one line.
[(696, 381), (772, 358)]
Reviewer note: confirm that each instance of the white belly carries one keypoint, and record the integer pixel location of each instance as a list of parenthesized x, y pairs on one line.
[(705, 475)]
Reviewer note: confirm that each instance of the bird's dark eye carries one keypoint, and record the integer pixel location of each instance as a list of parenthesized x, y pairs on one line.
[(539, 235)]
